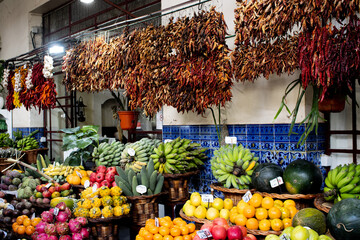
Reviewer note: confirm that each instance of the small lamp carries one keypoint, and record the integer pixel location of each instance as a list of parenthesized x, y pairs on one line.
[(80, 110)]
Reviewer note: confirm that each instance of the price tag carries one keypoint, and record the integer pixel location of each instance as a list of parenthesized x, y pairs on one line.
[(167, 140), (284, 237), (204, 234), (131, 152), (141, 189), (2, 200), (230, 140), (247, 196), (280, 180), (10, 207), (56, 211), (33, 216), (79, 174), (274, 183), (4, 232), (86, 184), (207, 198), (157, 222), (94, 188), (48, 185)]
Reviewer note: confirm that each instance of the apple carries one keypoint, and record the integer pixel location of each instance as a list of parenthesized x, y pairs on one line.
[(218, 232), (207, 226), (234, 233), (110, 177), (46, 194), (251, 237), (43, 189), (100, 177), (221, 222), (243, 230), (38, 188), (111, 170), (57, 189), (93, 177), (51, 189), (105, 183), (101, 169), (65, 186)]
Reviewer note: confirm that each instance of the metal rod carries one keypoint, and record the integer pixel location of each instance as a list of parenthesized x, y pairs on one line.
[(118, 7)]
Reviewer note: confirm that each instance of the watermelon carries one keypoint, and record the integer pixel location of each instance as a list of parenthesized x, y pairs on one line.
[(312, 218), (262, 175), (302, 177), (343, 219)]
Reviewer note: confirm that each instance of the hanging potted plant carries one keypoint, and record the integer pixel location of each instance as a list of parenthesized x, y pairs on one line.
[(329, 60)]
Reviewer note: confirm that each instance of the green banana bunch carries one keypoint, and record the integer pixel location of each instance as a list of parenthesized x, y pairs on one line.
[(178, 156), (233, 166), (5, 140), (108, 154), (137, 154), (342, 182), (27, 143), (128, 180)]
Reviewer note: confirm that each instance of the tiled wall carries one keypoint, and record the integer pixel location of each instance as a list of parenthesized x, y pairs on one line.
[(270, 142), (27, 131)]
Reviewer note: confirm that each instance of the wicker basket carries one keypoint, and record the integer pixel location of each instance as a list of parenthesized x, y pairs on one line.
[(177, 186), (31, 155), (321, 204), (234, 194), (4, 164), (301, 200), (144, 207), (106, 228)]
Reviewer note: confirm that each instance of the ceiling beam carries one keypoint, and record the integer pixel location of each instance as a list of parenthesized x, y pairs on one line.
[(121, 9)]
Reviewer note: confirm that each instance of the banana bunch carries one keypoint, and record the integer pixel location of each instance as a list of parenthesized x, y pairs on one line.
[(128, 180), (59, 172), (27, 143), (233, 166), (342, 182), (137, 154), (5, 140), (108, 154), (178, 156)]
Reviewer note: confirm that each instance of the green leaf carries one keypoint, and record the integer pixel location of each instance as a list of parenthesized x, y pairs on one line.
[(83, 143), (70, 130), (69, 142), (93, 128)]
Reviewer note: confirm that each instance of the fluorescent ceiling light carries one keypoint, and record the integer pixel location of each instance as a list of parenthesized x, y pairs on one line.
[(86, 1), (56, 49)]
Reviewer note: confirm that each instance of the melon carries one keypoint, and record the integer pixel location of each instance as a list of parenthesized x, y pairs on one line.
[(302, 177), (312, 218), (262, 175), (343, 219), (68, 202)]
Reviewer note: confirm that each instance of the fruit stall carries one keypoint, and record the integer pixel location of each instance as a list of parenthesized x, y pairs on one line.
[(193, 182)]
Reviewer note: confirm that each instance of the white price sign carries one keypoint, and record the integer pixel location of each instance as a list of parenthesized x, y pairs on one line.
[(207, 198), (230, 140), (131, 152), (86, 184), (10, 207), (79, 174), (284, 237), (275, 182), (204, 234), (48, 185), (157, 222), (167, 140), (56, 211), (94, 188), (141, 189), (247, 196)]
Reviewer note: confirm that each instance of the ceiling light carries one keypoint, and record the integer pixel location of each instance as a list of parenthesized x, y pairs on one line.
[(56, 49), (86, 1)]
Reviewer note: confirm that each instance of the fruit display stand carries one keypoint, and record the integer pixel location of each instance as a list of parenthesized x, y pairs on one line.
[(198, 221), (234, 194), (106, 228), (31, 155), (321, 204)]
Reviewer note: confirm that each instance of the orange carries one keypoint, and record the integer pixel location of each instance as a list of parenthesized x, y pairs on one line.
[(256, 200), (153, 229), (187, 237), (274, 213), (29, 230), (150, 221), (279, 203), (83, 180), (164, 231), (285, 212), (178, 238), (252, 224), (184, 230), (277, 225), (267, 202), (261, 213), (83, 174), (167, 218), (142, 231), (157, 237), (35, 221), (166, 223), (175, 232), (138, 237), (264, 225), (148, 236), (249, 211), (177, 221), (240, 220), (20, 219), (191, 227), (240, 206), (287, 222), (15, 226), (21, 230), (292, 210), (289, 202), (27, 222), (168, 237), (232, 217)]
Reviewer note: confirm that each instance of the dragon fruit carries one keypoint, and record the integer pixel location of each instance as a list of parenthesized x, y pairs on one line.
[(52, 237), (35, 235), (62, 228), (62, 216), (68, 211), (77, 236), (65, 237), (50, 229), (85, 233), (61, 206), (40, 228), (83, 221), (42, 236), (47, 217), (75, 226)]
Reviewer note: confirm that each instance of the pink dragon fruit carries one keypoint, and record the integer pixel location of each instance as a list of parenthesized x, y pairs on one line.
[(47, 217), (50, 229), (42, 236), (35, 235), (83, 221), (68, 211), (62, 228), (51, 210), (52, 237), (65, 237), (61, 206), (85, 233), (75, 226), (62, 216), (77, 236), (40, 228)]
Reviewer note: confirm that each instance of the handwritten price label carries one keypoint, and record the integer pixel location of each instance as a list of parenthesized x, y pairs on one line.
[(275, 182), (204, 234), (131, 152), (207, 198), (247, 196), (141, 189)]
